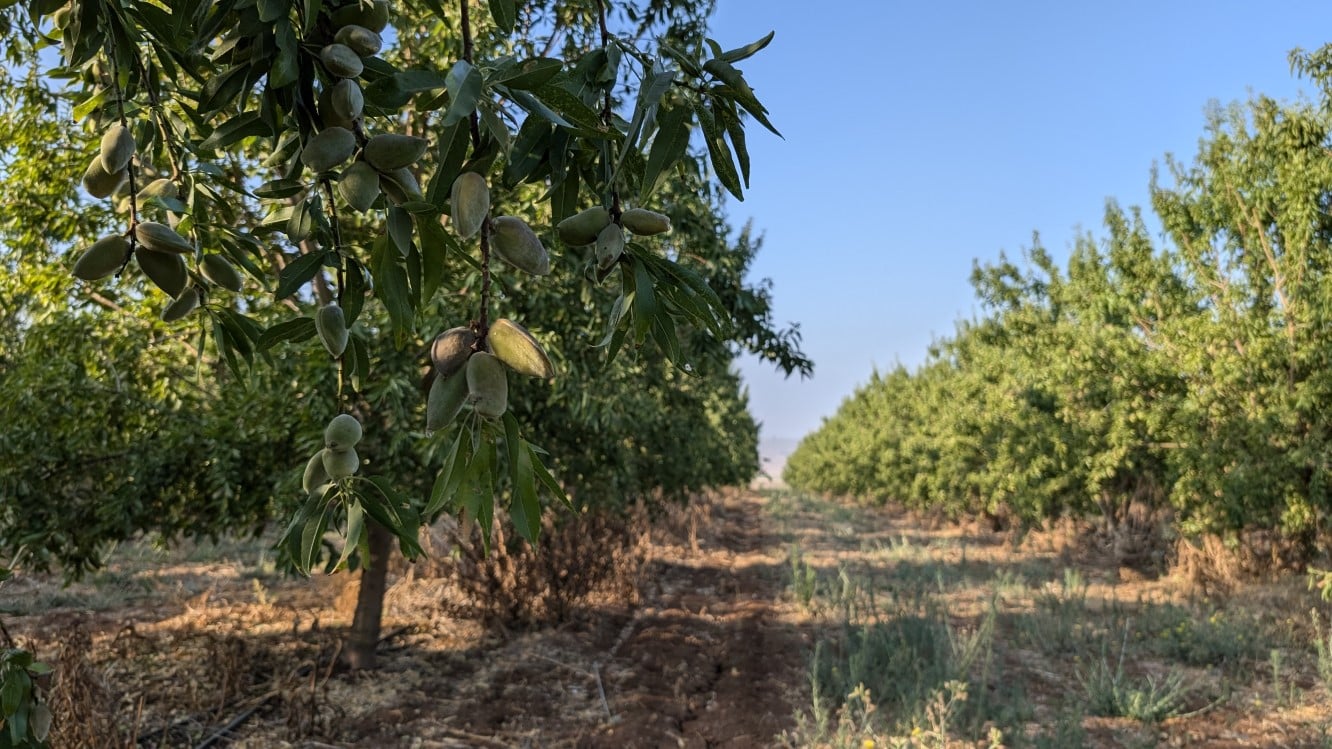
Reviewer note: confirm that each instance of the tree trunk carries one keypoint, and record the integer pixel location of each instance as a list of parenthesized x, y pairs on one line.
[(364, 639)]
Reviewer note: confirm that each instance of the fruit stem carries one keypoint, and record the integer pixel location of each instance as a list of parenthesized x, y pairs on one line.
[(484, 324), (474, 123), (607, 113), (120, 112)]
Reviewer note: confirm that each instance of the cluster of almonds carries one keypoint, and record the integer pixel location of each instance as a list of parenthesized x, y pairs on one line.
[(338, 459), (467, 375), (594, 225), (159, 250), (383, 164), (470, 365)]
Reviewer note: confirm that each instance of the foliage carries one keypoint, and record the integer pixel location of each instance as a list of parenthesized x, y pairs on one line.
[(1187, 376), (223, 99)]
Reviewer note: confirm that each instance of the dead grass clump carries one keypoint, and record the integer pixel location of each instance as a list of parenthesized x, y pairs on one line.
[(1215, 565), (82, 706), (578, 557)]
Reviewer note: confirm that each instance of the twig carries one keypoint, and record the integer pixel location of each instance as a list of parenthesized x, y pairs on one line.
[(601, 691), (234, 723)]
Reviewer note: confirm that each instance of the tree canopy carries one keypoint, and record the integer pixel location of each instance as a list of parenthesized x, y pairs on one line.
[(230, 228), (1188, 375)]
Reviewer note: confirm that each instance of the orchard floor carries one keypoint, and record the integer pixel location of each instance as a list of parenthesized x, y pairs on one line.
[(207, 646)]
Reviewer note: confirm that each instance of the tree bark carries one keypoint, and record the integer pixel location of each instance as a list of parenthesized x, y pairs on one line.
[(364, 639)]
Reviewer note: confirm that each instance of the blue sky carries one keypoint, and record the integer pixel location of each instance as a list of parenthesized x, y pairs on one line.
[(920, 136)]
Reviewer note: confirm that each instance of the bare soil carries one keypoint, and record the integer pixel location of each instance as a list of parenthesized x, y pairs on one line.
[(217, 652), (209, 647)]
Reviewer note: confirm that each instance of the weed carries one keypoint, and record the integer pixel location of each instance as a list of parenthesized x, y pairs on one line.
[(1217, 639), (1285, 694), (1110, 693), (1058, 624), (804, 579), (904, 651), (1323, 646)]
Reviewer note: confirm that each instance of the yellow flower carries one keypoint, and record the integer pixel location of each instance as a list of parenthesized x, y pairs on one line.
[(867, 744)]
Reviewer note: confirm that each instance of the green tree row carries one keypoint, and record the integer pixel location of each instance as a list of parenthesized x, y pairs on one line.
[(138, 403), (1192, 375)]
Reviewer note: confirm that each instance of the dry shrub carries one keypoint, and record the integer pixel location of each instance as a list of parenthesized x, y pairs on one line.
[(82, 706), (1206, 563), (1216, 566), (677, 523), (580, 558), (1139, 540)]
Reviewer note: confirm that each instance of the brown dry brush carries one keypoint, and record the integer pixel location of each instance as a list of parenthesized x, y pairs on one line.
[(580, 558), (85, 712)]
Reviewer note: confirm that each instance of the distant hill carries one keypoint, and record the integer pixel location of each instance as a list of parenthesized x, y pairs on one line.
[(773, 452)]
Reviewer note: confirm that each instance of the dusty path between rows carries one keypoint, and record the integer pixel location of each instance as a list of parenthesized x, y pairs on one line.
[(712, 655)]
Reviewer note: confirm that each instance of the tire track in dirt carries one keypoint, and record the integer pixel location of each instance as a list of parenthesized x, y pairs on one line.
[(713, 658)]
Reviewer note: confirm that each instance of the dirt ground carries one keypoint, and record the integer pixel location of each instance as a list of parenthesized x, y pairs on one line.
[(208, 646), (215, 653)]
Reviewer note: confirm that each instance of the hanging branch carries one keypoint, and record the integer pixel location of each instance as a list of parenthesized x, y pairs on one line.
[(482, 324), (608, 113)]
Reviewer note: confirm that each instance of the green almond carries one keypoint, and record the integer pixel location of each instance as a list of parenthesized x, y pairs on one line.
[(165, 270), (359, 186), (513, 345), (469, 202), (106, 256), (341, 61), (487, 385), (516, 244), (339, 464), (329, 149), (582, 228), (99, 182), (220, 271), (343, 431), (451, 349), (445, 401), (117, 148), (332, 328), (181, 306), (390, 151)]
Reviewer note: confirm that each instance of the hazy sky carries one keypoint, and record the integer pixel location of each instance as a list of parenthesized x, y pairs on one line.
[(920, 136)]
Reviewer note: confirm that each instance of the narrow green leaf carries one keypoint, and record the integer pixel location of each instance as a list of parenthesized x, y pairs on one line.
[(355, 529), (570, 107), (544, 477), (730, 120), (533, 105), (504, 13), (454, 143), (415, 81), (669, 145), (435, 246), (747, 51), (354, 289), (279, 188), (11, 694), (287, 331), (301, 222), (450, 475), (298, 272), (525, 508), (237, 128), (464, 84), (400, 229), (286, 64), (645, 302), (718, 152), (390, 280), (527, 74)]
